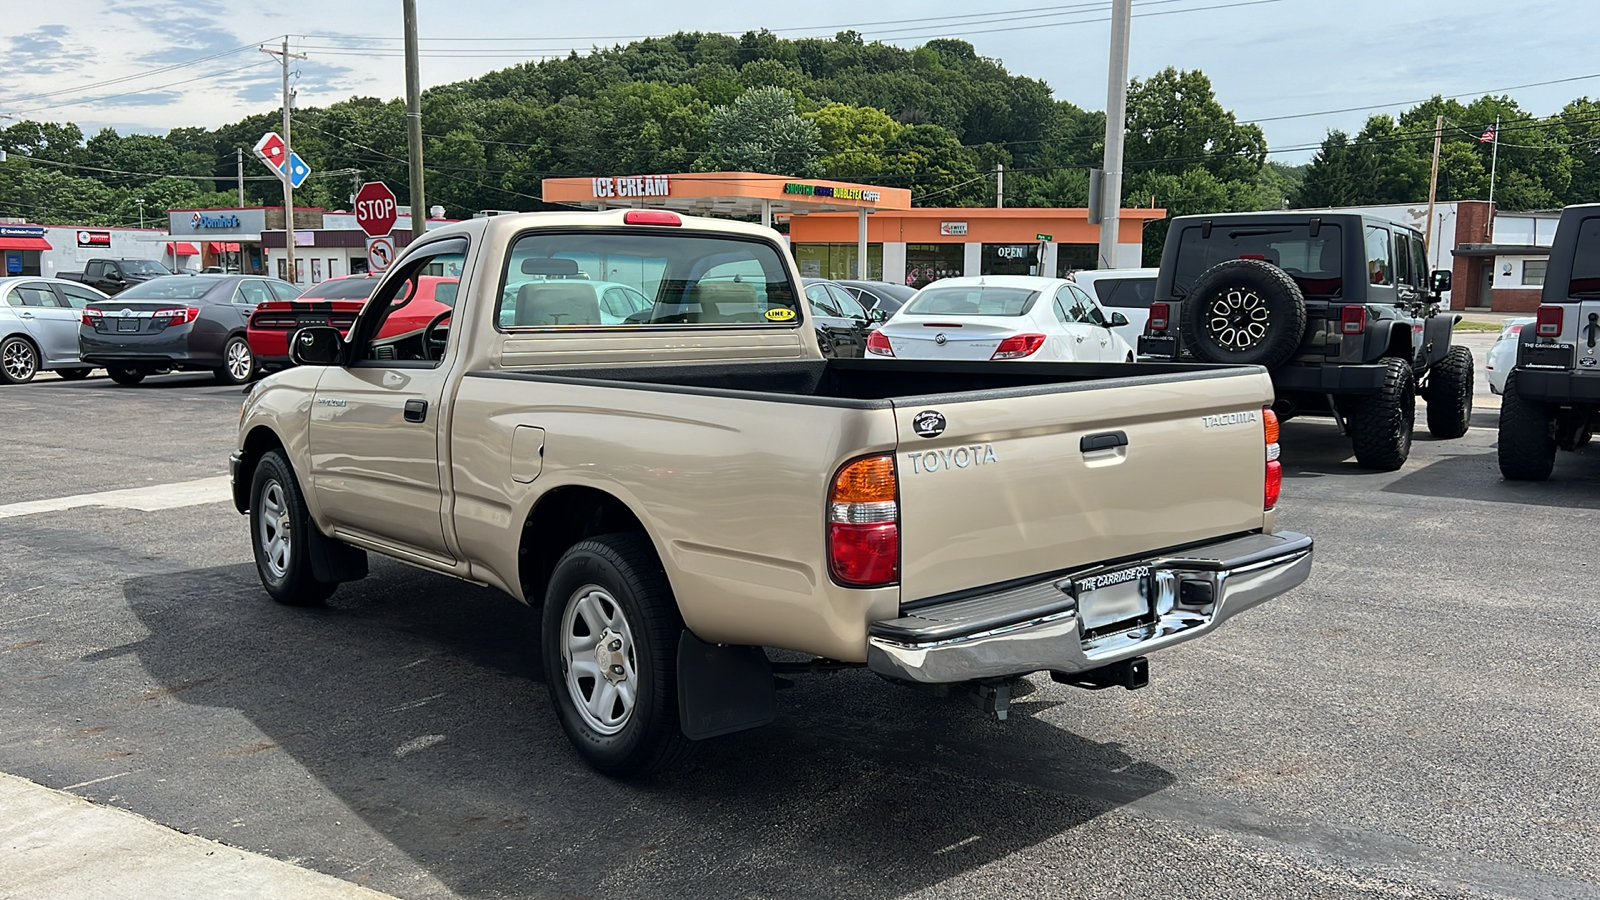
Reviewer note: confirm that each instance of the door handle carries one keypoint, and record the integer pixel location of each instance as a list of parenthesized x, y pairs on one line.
[(1109, 440), (416, 410), (26, 315)]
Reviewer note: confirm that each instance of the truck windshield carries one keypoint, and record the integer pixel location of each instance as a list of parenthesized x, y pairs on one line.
[(1313, 262), (144, 267), (971, 301), (591, 279)]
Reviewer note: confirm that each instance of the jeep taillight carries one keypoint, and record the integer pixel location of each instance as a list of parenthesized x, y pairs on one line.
[(878, 344), (1548, 323), (1274, 475), (864, 523), (1353, 320), (1159, 312)]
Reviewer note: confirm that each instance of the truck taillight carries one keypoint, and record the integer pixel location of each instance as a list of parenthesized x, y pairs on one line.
[(1159, 314), (1274, 477), (864, 523), (91, 317), (1018, 346), (1548, 323), (1353, 320), (180, 316), (878, 345)]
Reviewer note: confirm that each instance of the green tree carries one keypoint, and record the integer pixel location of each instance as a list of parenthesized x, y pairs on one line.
[(853, 139), (761, 132)]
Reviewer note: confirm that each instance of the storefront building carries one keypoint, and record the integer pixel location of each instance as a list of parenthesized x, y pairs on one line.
[(337, 247), (229, 240), (919, 246), (49, 250)]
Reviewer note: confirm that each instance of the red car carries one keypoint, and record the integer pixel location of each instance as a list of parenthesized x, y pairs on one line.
[(337, 302)]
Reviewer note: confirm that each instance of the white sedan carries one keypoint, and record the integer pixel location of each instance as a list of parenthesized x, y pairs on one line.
[(1002, 317), (1503, 355)]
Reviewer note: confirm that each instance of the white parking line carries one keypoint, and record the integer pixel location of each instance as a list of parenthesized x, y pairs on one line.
[(148, 499)]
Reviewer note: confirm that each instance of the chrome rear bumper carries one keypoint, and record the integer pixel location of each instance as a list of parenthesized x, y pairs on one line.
[(1039, 627)]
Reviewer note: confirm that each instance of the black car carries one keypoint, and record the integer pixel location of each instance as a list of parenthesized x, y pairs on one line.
[(841, 320), (178, 323), (884, 295)]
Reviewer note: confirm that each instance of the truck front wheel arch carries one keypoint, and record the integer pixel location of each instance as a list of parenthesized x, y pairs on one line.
[(257, 443), (560, 519)]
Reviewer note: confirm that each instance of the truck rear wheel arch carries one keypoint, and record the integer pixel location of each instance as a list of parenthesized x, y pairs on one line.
[(1400, 343), (561, 518)]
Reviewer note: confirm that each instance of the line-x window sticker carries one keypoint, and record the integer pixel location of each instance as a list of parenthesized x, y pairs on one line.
[(1234, 418), (952, 458)]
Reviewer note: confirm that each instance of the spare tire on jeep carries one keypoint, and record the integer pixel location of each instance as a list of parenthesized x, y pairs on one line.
[(1243, 311)]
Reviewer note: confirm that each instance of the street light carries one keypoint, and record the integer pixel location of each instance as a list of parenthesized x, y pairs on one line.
[(140, 201)]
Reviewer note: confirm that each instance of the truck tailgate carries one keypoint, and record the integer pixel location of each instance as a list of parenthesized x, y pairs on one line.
[(1018, 486)]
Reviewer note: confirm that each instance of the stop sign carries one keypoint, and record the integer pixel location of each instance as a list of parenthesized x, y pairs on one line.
[(375, 208)]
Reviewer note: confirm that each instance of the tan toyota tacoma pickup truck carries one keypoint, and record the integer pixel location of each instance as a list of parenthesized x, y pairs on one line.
[(625, 419)]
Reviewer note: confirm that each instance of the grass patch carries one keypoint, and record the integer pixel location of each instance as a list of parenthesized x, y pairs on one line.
[(1478, 326)]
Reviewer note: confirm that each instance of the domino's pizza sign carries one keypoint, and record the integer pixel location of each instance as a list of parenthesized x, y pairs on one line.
[(201, 220)]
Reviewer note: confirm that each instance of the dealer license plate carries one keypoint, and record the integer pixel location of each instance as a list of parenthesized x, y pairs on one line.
[(125, 326), (1106, 598)]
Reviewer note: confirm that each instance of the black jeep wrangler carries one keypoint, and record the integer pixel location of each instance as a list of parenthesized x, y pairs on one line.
[(1339, 307), (1552, 397)]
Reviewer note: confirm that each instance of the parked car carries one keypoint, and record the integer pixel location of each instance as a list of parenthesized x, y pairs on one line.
[(337, 302), (842, 323), (681, 491), (1339, 307), (1552, 397), (883, 295), (179, 323), (1127, 291), (113, 276), (39, 327), (1503, 355), (1003, 317)]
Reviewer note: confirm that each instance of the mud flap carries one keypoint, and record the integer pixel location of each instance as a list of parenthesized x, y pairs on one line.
[(722, 689), (335, 562)]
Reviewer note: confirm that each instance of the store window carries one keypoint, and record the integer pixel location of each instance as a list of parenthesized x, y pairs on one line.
[(927, 263), (1533, 272), (836, 261), (1010, 259), (1075, 258)]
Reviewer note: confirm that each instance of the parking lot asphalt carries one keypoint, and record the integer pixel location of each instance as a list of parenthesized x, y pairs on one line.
[(1419, 719)]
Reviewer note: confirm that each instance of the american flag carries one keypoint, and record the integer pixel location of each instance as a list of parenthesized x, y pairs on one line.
[(1488, 135)]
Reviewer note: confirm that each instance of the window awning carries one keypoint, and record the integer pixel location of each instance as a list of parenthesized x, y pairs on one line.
[(182, 248), (24, 243), (221, 247)]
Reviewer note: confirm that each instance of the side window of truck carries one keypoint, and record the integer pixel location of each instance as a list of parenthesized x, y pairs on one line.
[(94, 270), (1585, 279), (405, 324), (1379, 269), (1402, 260)]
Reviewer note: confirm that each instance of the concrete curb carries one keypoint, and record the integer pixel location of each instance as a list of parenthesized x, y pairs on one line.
[(58, 846)]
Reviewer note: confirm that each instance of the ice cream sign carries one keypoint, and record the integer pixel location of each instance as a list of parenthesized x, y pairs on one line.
[(631, 186)]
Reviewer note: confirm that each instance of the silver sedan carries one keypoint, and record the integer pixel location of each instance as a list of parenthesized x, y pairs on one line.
[(39, 327)]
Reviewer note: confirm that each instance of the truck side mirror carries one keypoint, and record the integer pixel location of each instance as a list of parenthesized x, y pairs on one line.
[(1440, 281), (317, 345)]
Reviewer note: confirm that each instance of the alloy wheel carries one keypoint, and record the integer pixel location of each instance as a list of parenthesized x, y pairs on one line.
[(274, 532), (239, 360), (19, 361), (1238, 319)]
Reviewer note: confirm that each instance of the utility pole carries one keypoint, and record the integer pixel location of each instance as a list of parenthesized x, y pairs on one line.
[(1433, 186), (1494, 166), (238, 160), (419, 199), (288, 183), (1116, 124), (999, 185)]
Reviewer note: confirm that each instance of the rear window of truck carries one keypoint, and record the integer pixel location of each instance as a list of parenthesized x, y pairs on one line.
[(606, 279), (1313, 262)]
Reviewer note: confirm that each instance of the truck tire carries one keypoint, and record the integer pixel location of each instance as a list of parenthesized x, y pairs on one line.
[(1381, 424), (19, 360), (126, 376), (1527, 436), (1243, 311), (610, 644), (73, 374), (282, 534), (1449, 395)]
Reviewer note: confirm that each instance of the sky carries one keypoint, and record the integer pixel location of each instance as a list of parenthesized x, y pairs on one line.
[(1298, 67)]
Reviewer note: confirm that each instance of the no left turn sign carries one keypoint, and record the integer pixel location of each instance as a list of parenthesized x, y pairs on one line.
[(380, 253)]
